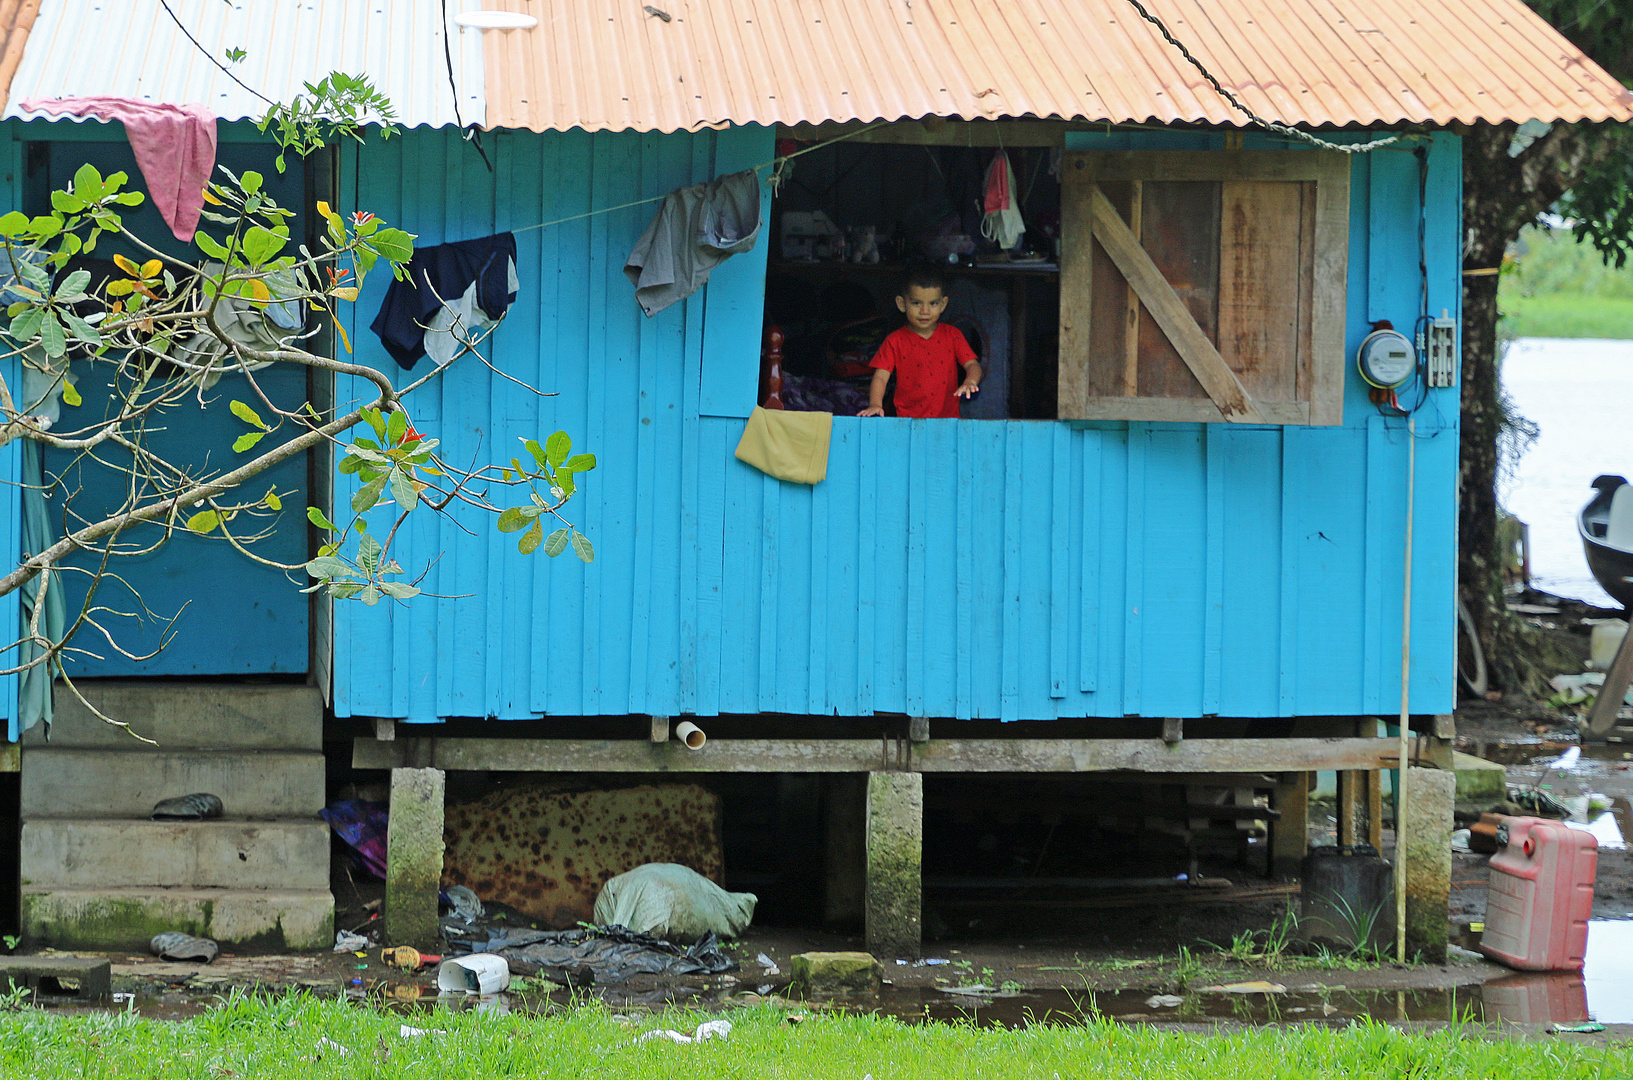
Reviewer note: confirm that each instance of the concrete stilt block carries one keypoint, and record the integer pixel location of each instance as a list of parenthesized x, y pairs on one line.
[(832, 972), (414, 857), (1426, 816), (895, 852)]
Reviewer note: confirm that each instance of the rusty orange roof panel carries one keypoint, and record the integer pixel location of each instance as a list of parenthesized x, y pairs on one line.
[(16, 20), (682, 64)]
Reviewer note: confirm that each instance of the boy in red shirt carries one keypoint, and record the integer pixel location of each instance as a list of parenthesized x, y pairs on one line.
[(924, 355)]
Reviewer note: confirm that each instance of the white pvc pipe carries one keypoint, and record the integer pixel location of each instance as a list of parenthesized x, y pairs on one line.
[(691, 735), (1406, 719)]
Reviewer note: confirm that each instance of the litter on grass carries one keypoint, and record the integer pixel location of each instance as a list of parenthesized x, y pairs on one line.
[(714, 1029)]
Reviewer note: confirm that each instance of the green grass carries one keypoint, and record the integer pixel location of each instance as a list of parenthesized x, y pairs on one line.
[(284, 1039), (1556, 287), (1566, 315)]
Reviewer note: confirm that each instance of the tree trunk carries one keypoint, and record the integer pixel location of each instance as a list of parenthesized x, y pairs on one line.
[(1501, 195)]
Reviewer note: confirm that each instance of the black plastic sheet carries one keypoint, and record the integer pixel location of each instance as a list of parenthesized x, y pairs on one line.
[(605, 954)]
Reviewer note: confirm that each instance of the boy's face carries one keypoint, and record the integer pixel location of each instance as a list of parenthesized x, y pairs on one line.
[(923, 307)]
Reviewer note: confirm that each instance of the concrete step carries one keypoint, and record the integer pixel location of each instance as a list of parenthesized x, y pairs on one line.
[(70, 783), (184, 715), (270, 920), (80, 854)]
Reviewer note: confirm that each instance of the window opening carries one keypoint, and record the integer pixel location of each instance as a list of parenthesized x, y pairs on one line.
[(850, 222)]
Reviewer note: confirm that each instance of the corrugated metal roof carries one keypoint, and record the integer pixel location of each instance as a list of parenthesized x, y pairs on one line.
[(619, 64), (595, 65), (133, 49)]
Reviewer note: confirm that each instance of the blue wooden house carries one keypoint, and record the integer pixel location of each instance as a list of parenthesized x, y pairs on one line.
[(1171, 541)]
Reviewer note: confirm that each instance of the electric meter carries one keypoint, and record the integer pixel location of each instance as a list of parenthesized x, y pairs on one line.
[(1386, 359)]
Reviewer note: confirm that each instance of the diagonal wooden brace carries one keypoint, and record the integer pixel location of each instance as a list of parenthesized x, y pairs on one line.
[(1169, 312)]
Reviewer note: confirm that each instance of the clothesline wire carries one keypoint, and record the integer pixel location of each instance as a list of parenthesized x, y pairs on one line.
[(777, 161)]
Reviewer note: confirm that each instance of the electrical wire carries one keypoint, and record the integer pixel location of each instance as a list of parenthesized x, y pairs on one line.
[(1271, 125), (208, 55), (472, 135)]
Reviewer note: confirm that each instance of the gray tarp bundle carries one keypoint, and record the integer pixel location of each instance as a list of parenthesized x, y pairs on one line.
[(606, 954)]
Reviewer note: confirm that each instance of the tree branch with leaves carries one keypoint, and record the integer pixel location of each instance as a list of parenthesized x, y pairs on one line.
[(161, 331)]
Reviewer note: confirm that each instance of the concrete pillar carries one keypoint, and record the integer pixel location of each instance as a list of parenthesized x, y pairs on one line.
[(1427, 818), (895, 852), (414, 857)]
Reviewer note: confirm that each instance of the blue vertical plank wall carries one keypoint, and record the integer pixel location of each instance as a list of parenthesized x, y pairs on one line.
[(975, 569)]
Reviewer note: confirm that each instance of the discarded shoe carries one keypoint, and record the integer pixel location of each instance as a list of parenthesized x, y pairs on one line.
[(197, 807), (175, 945)]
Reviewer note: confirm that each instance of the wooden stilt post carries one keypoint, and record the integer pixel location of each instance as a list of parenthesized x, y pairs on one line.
[(1288, 833), (1349, 784), (845, 850)]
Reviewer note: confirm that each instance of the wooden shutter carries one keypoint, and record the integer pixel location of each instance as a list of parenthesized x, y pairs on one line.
[(1203, 286)]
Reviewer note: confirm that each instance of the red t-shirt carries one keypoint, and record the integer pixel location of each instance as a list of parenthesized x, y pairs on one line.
[(927, 369)]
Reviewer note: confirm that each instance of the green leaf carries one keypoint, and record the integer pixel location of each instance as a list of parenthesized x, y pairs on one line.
[(369, 596), (52, 337), (88, 183), (399, 590), (272, 500), (350, 464), (582, 547), (368, 494), (404, 490), (564, 483), (67, 202), (377, 422), (204, 522), (393, 244), (538, 453), (74, 284), (261, 244), (209, 245), (557, 447), (130, 198), (368, 554), (247, 441), (396, 428), (13, 223), (251, 180), (580, 463), (557, 542), (512, 519), (26, 325), (248, 415), (82, 330), (45, 226), (327, 566), (531, 539), (317, 517), (70, 396)]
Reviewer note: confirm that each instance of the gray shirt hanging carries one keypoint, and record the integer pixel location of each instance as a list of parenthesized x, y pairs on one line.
[(695, 230)]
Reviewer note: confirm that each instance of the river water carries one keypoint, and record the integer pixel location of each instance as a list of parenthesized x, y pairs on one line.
[(1579, 392)]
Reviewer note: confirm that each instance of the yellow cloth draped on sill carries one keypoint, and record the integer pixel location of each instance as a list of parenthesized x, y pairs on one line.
[(791, 446)]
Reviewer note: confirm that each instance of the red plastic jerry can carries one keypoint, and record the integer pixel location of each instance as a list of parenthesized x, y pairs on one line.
[(1541, 895)]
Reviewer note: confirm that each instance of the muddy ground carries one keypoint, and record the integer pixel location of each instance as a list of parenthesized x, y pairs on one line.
[(1051, 960)]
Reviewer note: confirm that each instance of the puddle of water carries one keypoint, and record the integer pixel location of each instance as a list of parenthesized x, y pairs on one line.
[(1602, 992)]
